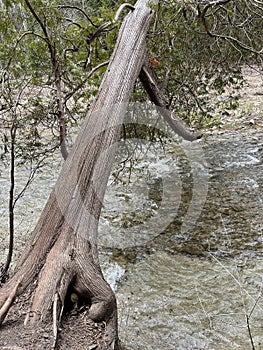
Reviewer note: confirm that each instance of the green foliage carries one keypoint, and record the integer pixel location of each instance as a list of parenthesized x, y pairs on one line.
[(27, 68), (202, 48)]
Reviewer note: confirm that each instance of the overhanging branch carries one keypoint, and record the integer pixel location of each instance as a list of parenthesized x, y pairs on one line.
[(150, 84)]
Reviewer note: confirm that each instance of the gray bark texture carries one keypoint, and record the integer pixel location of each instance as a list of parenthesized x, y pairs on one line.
[(62, 252)]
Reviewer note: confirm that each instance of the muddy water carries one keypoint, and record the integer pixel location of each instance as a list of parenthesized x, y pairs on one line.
[(200, 287), (180, 302), (181, 240)]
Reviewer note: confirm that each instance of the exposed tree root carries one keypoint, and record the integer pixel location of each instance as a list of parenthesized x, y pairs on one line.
[(8, 302), (69, 268)]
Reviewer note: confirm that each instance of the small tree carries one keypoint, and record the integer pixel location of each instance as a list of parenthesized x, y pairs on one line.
[(22, 146)]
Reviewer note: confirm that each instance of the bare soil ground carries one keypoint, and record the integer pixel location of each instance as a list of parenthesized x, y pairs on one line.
[(77, 331)]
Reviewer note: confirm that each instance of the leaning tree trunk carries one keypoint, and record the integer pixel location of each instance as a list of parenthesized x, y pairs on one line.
[(62, 252)]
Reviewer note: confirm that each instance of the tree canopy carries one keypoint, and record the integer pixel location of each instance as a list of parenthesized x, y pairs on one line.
[(54, 54)]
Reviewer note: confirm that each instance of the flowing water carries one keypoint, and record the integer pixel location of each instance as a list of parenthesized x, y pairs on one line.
[(181, 241), (200, 287)]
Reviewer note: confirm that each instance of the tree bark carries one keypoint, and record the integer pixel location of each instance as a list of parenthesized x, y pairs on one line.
[(62, 256), (150, 84)]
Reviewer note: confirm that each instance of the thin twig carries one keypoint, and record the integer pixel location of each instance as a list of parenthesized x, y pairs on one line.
[(250, 335)]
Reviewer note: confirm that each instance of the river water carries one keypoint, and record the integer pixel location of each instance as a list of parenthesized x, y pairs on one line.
[(181, 240), (200, 287)]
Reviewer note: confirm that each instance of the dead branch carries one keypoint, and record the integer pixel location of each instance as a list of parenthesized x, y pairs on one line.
[(150, 84)]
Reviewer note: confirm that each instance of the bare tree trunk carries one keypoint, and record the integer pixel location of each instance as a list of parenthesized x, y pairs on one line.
[(62, 255)]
